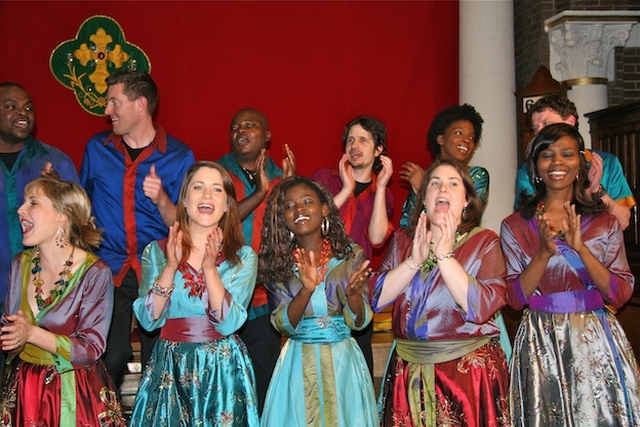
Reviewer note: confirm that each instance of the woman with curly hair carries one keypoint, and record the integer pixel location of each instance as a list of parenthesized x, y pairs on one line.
[(317, 281), (572, 364), (454, 133), (196, 286)]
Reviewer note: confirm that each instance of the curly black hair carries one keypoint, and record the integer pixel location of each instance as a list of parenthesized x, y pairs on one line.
[(585, 204), (275, 257), (443, 120)]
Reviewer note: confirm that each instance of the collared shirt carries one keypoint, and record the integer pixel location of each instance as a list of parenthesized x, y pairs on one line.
[(29, 165), (356, 212), (113, 182), (252, 224)]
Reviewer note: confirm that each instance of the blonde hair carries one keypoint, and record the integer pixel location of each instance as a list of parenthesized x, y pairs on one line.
[(71, 200)]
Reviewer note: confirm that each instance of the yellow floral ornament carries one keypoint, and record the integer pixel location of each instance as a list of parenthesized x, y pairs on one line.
[(84, 63)]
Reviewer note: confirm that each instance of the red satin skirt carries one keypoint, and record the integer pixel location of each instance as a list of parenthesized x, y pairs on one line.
[(31, 396), (470, 391)]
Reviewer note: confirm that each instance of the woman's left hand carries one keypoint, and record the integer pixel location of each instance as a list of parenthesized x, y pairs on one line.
[(358, 280), (448, 236), (573, 233), (16, 334), (212, 249)]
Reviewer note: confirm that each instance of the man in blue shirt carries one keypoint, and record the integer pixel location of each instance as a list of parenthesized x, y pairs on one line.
[(133, 177), (23, 159)]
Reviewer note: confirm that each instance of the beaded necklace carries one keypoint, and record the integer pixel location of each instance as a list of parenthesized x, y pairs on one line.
[(59, 286), (432, 259), (541, 209), (325, 255), (323, 263)]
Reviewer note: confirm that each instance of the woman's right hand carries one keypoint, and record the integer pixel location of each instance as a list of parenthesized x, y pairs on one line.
[(307, 268), (173, 251), (547, 245), (413, 174), (421, 241)]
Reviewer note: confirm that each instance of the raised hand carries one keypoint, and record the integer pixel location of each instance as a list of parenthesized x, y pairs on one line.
[(261, 179), (358, 280), (573, 233), (595, 173), (413, 174), (546, 235), (307, 268), (173, 250), (212, 249), (49, 171), (346, 173), (447, 239), (288, 163), (385, 174), (152, 186), (421, 241)]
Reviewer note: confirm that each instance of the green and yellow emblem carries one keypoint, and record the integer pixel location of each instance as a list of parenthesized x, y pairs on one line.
[(84, 63)]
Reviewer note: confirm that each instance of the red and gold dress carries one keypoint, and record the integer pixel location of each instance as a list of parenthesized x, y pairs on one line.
[(72, 387), (447, 366)]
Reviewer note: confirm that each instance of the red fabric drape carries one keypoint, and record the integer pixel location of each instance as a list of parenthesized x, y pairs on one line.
[(310, 66)]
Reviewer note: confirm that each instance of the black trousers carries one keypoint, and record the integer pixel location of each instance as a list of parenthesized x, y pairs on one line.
[(119, 350), (363, 338), (263, 345)]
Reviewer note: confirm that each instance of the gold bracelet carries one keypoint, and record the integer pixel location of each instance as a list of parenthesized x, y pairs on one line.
[(448, 255), (412, 265)]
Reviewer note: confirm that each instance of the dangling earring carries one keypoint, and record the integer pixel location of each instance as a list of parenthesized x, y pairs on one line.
[(538, 180), (324, 227), (291, 235), (577, 177), (61, 238), (464, 213)]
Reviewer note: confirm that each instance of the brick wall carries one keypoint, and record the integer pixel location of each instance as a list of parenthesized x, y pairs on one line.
[(532, 43)]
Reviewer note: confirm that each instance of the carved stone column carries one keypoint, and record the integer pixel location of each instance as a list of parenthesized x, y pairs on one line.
[(582, 54)]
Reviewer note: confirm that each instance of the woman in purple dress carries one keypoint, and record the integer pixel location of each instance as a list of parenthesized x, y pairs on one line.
[(445, 277), (57, 315), (572, 364)]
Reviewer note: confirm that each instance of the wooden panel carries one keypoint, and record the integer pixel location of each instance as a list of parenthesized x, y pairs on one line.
[(617, 131)]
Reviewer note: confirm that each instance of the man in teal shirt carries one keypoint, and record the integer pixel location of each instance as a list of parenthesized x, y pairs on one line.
[(23, 159)]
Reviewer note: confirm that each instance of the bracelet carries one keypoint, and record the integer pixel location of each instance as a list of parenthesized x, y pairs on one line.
[(448, 255), (160, 291), (412, 265)]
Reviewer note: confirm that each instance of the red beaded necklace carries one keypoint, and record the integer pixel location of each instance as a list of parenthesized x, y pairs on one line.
[(325, 256)]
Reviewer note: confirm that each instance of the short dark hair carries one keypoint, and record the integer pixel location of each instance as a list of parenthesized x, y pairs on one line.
[(378, 132), (443, 120), (136, 84), (556, 102), (7, 85)]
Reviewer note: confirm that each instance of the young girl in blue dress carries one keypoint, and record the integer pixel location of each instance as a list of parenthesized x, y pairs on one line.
[(317, 279)]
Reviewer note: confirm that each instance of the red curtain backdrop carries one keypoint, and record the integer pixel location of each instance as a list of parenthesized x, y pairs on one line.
[(309, 66)]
